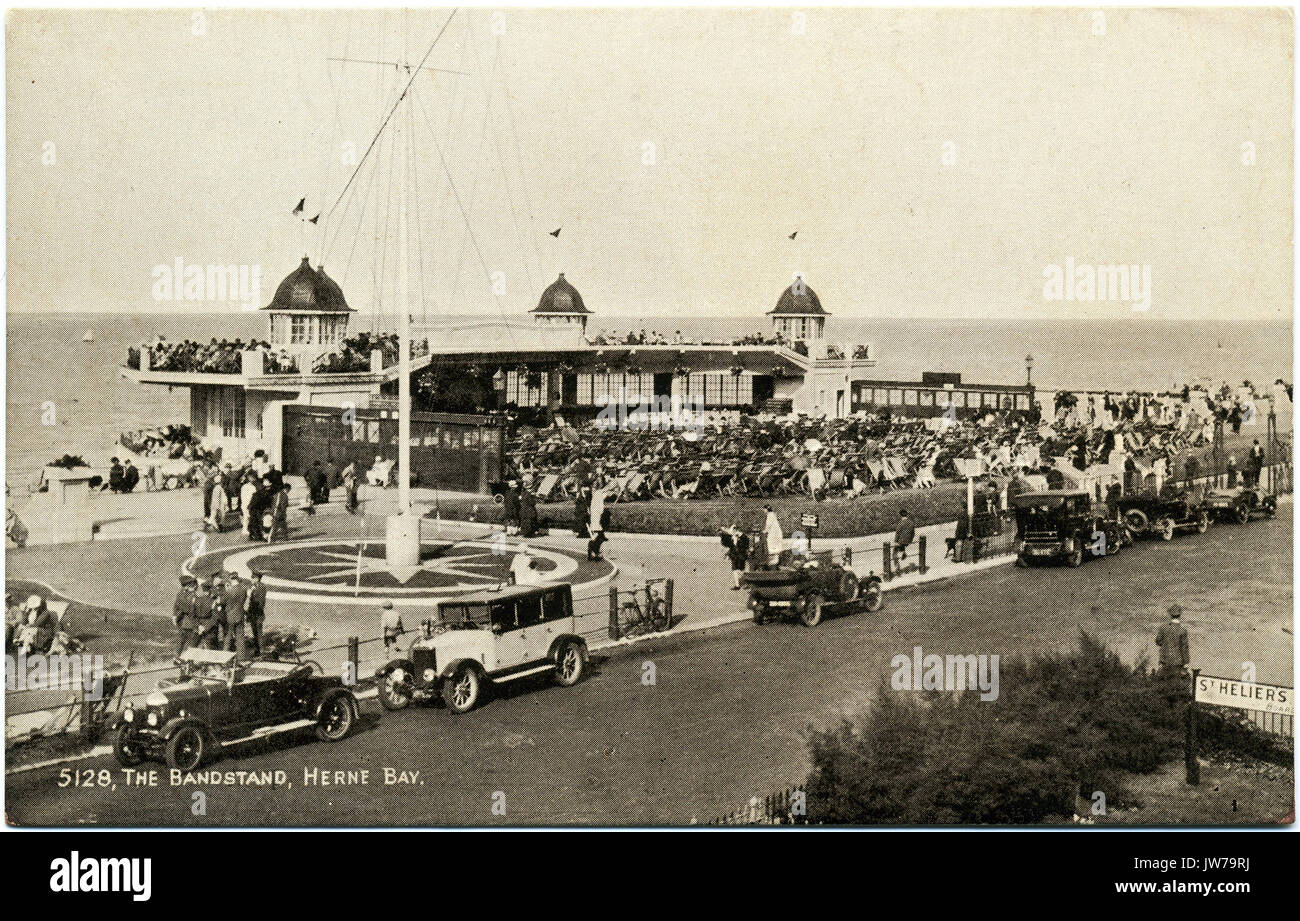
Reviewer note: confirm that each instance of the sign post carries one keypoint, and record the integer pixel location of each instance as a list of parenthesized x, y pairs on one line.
[(1189, 743), (808, 522)]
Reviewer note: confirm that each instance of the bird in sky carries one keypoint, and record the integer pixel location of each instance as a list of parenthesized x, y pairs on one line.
[(793, 235), (556, 232), (314, 219), (301, 204)]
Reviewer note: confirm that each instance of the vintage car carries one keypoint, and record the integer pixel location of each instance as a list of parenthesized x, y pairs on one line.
[(487, 637), (217, 701), (1063, 524), (1162, 515), (808, 588), (1240, 505)]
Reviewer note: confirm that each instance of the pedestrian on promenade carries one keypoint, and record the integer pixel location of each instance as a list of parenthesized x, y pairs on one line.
[(256, 610), (527, 513), (115, 475), (735, 544), (1255, 464), (597, 521), (1172, 642), (247, 490), (1232, 471), (183, 611), (207, 476), (903, 537), (258, 505), (215, 502), (279, 515), (206, 616), (772, 536), (130, 476), (230, 485), (331, 471), (390, 625), (581, 512), (512, 507), (350, 484)]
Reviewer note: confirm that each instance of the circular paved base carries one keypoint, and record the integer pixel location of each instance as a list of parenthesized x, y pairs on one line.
[(345, 570)]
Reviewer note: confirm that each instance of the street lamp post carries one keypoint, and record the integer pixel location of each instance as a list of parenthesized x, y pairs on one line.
[(499, 388), (1029, 370)]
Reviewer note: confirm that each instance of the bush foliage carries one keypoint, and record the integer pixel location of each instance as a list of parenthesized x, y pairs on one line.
[(1063, 724)]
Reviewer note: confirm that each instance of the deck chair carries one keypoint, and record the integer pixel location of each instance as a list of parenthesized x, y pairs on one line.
[(546, 487)]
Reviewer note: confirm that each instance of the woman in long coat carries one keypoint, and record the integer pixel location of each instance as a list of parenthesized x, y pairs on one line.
[(581, 509)]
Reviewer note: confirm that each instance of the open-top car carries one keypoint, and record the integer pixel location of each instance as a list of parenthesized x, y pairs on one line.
[(1064, 524), (809, 587), (1241, 504), (487, 637), (217, 701), (1162, 515)]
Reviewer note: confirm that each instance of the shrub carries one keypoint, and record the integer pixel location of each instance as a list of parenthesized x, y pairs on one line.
[(1063, 724)]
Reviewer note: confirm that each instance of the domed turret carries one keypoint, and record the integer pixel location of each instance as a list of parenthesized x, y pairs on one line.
[(798, 314), (308, 309), (561, 304)]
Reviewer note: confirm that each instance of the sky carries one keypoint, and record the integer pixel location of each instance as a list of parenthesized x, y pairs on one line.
[(933, 162)]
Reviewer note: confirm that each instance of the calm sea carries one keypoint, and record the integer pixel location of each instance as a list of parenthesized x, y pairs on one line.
[(47, 363)]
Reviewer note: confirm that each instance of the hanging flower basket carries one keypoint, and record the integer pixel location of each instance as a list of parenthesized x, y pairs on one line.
[(736, 370), (633, 371), (682, 371)]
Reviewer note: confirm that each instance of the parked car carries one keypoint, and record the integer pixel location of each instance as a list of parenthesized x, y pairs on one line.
[(1242, 504), (486, 638), (216, 701), (809, 588), (1063, 524), (1163, 515)]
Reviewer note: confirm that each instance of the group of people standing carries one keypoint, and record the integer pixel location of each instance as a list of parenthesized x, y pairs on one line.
[(212, 613), (252, 494)]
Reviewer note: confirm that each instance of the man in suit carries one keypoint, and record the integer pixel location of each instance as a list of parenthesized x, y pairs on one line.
[(235, 600), (183, 611), (1172, 642), (208, 615), (255, 610), (115, 476)]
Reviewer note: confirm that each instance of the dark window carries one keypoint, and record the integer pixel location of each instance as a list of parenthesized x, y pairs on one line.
[(553, 606), (503, 614), (528, 610)]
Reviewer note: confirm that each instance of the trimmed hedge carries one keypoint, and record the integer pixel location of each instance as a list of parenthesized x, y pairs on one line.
[(837, 518)]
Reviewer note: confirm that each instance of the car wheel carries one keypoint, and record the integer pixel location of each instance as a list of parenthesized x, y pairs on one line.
[(873, 597), (396, 688), (129, 752), (461, 691), (1270, 507), (811, 613), (1243, 514), (335, 719), (1202, 523), (1166, 529), (186, 748), (1136, 521), (569, 665), (849, 587), (1074, 559), (760, 611)]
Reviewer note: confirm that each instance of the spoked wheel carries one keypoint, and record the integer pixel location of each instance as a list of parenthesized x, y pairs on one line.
[(1243, 514), (1202, 522), (129, 752), (873, 597), (1074, 559), (396, 688), (811, 613), (630, 619), (461, 691), (659, 619), (185, 749), (570, 665), (1166, 526), (849, 587), (335, 720), (759, 611)]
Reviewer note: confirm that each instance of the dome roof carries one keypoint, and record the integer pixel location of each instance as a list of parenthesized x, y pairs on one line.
[(308, 290), (805, 303), (560, 297)]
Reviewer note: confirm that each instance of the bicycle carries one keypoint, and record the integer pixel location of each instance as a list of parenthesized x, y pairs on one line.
[(633, 619)]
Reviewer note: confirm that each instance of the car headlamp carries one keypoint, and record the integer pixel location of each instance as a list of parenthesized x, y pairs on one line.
[(429, 674), (128, 715), (152, 718), (156, 699)]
